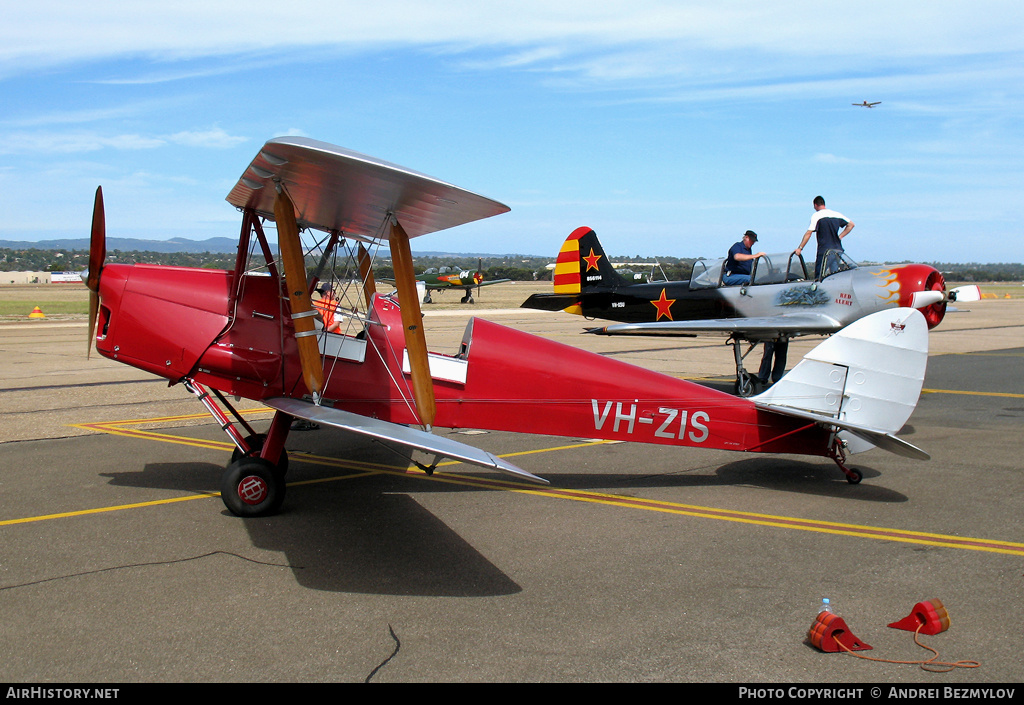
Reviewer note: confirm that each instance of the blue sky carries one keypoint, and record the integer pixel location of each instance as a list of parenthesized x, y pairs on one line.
[(668, 127)]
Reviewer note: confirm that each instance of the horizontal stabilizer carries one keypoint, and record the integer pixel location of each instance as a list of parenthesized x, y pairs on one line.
[(865, 379), (883, 440), (761, 328), (551, 302), (403, 435)]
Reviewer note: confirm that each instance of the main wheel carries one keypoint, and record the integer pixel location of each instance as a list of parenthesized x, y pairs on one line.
[(252, 487), (255, 443), (744, 385)]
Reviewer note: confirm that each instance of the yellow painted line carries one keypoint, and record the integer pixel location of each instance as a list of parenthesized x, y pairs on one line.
[(984, 354), (972, 394), (102, 510), (364, 469)]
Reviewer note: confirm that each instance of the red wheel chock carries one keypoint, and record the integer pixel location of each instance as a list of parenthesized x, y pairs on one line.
[(928, 617), (830, 633)]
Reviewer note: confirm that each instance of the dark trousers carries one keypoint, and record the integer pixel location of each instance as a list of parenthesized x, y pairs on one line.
[(779, 350)]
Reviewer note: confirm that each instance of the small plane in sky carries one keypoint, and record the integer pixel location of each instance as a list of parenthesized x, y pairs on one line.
[(784, 299), (866, 104), (254, 332)]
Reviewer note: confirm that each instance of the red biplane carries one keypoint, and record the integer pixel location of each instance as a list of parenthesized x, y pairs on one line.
[(257, 332)]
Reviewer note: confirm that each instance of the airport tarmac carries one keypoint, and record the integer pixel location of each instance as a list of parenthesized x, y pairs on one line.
[(639, 563)]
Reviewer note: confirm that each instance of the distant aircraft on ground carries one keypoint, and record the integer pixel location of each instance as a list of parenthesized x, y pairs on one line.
[(866, 104), (442, 278), (784, 300)]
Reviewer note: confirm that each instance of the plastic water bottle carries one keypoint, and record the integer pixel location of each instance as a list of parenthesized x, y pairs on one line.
[(826, 606)]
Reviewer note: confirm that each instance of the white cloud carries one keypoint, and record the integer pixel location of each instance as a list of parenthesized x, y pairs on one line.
[(81, 141), (214, 137), (50, 32), (73, 142)]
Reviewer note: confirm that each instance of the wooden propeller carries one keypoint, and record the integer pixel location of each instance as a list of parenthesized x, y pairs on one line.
[(97, 255), (412, 323), (298, 293)]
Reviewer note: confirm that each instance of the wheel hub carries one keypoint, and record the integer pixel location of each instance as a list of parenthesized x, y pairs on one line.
[(252, 489)]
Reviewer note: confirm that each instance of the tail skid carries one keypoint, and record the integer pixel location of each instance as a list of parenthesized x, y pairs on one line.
[(864, 381)]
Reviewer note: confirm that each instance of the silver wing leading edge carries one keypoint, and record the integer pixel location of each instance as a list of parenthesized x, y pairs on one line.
[(761, 328), (403, 435), (334, 188)]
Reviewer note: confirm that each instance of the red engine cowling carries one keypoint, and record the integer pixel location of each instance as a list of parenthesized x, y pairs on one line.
[(920, 277)]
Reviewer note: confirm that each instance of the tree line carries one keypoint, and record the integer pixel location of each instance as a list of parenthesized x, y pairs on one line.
[(515, 267)]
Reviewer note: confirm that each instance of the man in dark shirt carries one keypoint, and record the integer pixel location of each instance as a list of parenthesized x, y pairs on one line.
[(825, 224), (738, 265)]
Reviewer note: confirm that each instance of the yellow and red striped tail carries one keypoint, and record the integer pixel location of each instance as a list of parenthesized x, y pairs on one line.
[(567, 266)]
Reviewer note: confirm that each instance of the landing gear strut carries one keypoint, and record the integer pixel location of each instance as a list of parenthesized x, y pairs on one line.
[(744, 386), (253, 484)]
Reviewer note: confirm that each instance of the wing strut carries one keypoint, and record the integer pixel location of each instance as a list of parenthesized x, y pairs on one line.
[(366, 274), (298, 293), (412, 323)]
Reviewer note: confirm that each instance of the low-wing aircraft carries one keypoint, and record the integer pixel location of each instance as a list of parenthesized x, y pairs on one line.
[(442, 278), (866, 104), (783, 300), (254, 332)]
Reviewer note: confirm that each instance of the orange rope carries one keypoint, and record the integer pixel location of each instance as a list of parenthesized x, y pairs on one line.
[(922, 664)]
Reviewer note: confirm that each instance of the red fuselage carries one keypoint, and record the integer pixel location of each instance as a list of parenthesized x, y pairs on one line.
[(186, 324)]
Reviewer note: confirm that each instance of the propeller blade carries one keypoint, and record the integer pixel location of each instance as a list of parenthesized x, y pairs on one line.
[(479, 276), (298, 293), (922, 299), (366, 274), (97, 254), (412, 322), (971, 292), (97, 242)]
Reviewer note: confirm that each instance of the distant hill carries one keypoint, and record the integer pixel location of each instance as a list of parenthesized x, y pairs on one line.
[(178, 244), (219, 245)]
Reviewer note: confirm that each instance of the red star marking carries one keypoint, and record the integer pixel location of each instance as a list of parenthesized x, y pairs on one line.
[(664, 307), (592, 260)]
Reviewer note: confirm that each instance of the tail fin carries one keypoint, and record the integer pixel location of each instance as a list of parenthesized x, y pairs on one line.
[(866, 379), (582, 265)]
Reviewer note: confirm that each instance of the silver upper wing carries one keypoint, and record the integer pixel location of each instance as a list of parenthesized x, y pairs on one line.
[(337, 189)]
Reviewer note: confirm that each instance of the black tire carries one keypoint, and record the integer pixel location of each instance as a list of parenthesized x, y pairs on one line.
[(252, 487), (855, 476), (255, 443), (744, 386)]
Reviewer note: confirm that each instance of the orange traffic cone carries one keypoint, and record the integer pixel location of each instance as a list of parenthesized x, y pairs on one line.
[(37, 313)]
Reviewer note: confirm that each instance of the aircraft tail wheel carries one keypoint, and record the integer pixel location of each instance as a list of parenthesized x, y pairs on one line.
[(838, 455), (252, 487), (255, 443)]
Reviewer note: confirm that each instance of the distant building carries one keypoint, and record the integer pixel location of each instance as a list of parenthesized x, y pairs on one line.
[(9, 278)]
